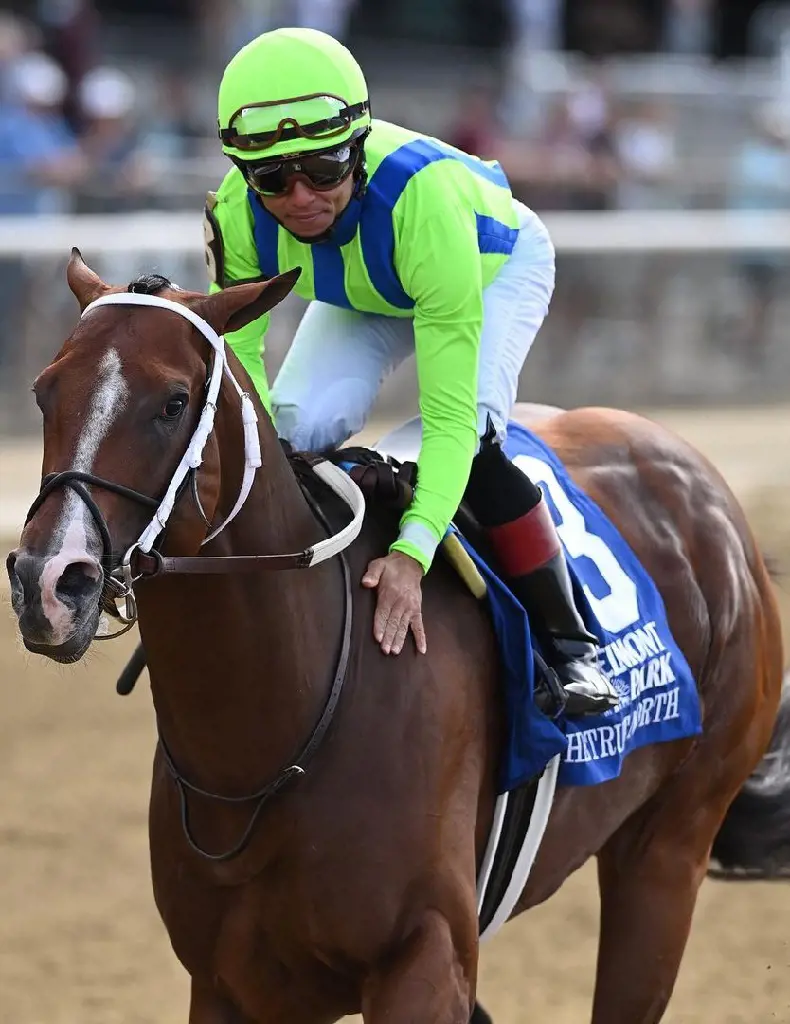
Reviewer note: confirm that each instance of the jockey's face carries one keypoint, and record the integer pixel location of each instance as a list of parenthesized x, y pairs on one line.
[(306, 212)]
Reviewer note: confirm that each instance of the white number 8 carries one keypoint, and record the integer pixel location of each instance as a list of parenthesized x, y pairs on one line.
[(620, 608)]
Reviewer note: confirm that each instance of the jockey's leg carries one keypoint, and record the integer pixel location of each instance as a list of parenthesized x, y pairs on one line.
[(522, 533), (332, 373), (504, 500)]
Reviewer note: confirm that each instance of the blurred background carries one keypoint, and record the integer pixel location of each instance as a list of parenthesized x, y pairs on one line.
[(653, 136)]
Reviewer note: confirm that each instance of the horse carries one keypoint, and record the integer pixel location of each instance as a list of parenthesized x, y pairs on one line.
[(319, 810)]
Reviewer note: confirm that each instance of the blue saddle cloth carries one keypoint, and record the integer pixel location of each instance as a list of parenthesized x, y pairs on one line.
[(622, 606)]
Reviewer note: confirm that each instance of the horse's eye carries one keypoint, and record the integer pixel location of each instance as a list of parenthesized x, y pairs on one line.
[(174, 406)]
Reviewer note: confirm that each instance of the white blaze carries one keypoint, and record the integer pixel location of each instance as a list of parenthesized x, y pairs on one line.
[(105, 404)]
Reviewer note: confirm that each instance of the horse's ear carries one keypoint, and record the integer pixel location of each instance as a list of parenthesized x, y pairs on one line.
[(236, 306), (84, 282)]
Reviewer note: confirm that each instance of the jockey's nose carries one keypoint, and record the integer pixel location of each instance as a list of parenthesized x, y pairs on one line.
[(49, 592), (300, 194)]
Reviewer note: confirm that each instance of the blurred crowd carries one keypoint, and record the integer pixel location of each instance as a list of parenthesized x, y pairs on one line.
[(80, 133), (74, 135), (590, 149)]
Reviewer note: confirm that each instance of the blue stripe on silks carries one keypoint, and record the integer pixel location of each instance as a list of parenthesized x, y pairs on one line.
[(494, 236), (329, 282), (494, 173), (376, 232), (385, 189), (266, 233)]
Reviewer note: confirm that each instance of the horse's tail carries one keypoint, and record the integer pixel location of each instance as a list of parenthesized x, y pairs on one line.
[(754, 839)]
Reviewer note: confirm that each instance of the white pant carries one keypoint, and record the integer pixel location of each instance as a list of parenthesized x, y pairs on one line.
[(338, 359)]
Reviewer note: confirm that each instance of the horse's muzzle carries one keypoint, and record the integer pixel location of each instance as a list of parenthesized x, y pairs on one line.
[(56, 602)]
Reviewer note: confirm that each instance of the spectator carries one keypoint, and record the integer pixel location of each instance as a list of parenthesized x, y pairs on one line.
[(330, 16), (39, 158), (71, 37), (111, 142), (578, 167), (233, 23), (688, 27), (476, 129), (760, 180), (645, 145), (536, 25), (16, 38), (173, 129)]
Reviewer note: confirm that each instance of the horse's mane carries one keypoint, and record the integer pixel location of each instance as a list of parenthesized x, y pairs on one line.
[(150, 284)]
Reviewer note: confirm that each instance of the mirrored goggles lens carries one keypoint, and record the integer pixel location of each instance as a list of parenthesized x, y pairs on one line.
[(323, 171), (313, 117)]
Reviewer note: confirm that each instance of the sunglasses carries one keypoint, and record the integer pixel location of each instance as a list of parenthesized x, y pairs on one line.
[(324, 170)]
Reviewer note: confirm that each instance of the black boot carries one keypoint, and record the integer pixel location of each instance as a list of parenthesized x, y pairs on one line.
[(547, 595), (521, 531)]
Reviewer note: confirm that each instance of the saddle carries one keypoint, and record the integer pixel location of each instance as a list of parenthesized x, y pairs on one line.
[(386, 481)]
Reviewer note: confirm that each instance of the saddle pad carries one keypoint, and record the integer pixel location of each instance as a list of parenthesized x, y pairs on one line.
[(622, 606)]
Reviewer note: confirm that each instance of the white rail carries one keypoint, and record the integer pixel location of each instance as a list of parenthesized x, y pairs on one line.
[(680, 231)]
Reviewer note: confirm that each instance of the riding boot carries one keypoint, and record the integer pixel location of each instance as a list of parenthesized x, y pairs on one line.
[(521, 532)]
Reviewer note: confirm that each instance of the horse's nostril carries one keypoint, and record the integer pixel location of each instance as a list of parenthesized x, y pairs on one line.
[(77, 582), (13, 577)]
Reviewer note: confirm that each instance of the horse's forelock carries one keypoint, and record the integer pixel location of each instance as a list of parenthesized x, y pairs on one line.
[(151, 284)]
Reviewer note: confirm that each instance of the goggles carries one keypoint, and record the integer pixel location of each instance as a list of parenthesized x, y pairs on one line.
[(324, 170), (262, 125)]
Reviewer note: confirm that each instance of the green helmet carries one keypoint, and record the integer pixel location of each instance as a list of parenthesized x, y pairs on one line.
[(293, 90)]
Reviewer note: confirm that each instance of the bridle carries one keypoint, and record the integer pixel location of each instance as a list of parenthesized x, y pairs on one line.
[(148, 561), (142, 560)]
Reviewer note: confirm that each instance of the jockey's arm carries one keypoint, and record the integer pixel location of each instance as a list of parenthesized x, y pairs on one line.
[(231, 259), (439, 267)]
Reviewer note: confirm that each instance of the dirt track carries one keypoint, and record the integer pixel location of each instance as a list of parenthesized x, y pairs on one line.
[(80, 941)]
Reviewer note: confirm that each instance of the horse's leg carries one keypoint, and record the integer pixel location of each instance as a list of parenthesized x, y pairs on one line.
[(424, 980), (649, 874), (207, 1007)]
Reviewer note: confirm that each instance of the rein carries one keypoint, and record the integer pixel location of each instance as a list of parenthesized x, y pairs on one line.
[(142, 560), (305, 755)]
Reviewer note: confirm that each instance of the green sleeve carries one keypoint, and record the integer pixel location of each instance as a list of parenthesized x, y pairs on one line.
[(441, 271), (231, 258)]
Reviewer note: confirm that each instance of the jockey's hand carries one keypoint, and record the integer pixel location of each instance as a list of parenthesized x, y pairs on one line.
[(399, 607)]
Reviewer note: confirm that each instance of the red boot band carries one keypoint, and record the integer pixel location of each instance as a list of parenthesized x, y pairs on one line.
[(526, 543)]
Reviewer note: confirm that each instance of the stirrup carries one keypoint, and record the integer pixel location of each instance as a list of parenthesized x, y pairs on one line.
[(556, 693), (587, 689), (579, 701)]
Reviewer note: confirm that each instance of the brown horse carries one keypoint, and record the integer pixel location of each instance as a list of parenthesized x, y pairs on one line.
[(353, 887)]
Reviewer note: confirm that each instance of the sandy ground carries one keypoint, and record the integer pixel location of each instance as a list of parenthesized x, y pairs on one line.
[(80, 940)]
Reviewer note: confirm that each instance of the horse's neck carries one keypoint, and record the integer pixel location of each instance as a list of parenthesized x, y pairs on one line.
[(241, 663)]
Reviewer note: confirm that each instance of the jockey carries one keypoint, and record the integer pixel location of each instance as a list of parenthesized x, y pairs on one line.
[(406, 246)]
